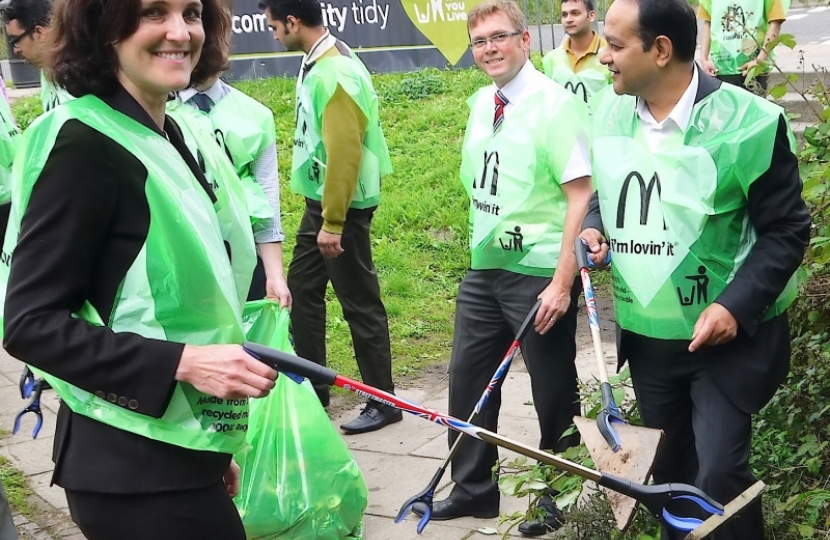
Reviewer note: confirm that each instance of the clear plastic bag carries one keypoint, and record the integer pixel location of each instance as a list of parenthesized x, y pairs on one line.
[(298, 479)]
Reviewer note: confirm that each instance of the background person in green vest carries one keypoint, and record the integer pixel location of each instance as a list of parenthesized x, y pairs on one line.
[(27, 25), (340, 155), (527, 171), (699, 196), (732, 30), (575, 63), (245, 130), (131, 319)]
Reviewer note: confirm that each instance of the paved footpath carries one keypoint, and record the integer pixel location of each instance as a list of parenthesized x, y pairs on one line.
[(397, 461)]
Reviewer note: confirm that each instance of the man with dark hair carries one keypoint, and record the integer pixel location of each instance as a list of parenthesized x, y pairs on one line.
[(340, 155), (575, 63), (735, 35), (27, 23), (705, 257)]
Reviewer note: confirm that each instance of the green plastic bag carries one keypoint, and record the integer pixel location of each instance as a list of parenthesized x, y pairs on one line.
[(298, 479)]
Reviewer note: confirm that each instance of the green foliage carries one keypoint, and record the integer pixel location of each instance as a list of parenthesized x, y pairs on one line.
[(15, 486), (26, 110)]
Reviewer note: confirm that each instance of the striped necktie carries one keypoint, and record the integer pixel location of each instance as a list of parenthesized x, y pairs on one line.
[(501, 101)]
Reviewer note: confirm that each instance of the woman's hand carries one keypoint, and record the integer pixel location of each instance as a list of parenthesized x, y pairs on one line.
[(231, 479), (225, 371)]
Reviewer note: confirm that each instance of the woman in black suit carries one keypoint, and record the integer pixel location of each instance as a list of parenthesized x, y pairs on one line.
[(125, 287)]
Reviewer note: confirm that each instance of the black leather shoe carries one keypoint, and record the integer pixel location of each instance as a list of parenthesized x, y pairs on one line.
[(373, 417), (449, 509), (553, 519)]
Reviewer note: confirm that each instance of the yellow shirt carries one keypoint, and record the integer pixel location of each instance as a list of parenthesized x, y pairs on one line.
[(578, 62), (776, 12)]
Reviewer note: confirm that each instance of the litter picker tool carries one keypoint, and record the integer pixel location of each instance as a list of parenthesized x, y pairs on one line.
[(426, 495), (616, 446), (654, 498)]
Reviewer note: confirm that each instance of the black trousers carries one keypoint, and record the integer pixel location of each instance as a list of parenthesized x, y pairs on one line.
[(175, 515), (355, 281), (738, 80), (707, 438), (257, 289), (491, 306)]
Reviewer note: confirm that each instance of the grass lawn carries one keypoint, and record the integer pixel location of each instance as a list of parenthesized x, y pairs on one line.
[(420, 229)]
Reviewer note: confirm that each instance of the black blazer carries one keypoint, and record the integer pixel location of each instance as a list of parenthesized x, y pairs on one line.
[(85, 223), (759, 357)]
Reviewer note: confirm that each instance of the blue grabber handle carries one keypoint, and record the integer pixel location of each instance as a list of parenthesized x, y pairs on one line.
[(655, 498), (32, 407), (582, 258)]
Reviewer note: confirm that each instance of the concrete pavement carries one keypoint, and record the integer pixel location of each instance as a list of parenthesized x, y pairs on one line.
[(397, 461)]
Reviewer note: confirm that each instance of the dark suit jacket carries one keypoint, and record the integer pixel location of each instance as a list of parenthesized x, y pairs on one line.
[(753, 365), (86, 221)]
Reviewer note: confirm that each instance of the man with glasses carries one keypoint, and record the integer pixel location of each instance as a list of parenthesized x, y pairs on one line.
[(575, 63), (27, 24), (526, 168)]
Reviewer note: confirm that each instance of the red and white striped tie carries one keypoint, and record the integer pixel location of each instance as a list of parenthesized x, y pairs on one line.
[(501, 101)]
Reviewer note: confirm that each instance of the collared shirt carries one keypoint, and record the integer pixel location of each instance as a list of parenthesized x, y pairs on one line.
[(264, 166), (578, 62), (320, 47), (677, 120), (528, 78)]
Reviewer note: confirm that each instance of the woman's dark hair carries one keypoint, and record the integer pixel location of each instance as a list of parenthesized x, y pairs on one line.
[(83, 32), (674, 19), (307, 11)]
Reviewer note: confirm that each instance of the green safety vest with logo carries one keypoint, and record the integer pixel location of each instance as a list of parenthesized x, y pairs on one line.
[(51, 95), (182, 287), (587, 84), (676, 218), (512, 176), (738, 30), (205, 144), (9, 143), (309, 161)]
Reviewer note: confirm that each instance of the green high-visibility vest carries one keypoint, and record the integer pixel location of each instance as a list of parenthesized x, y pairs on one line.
[(517, 206), (50, 95), (587, 84), (737, 29), (9, 143), (308, 172), (676, 218), (204, 142), (182, 287)]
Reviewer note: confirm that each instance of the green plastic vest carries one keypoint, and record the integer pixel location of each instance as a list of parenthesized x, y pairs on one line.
[(187, 289), (517, 206), (9, 142), (50, 95), (204, 142), (308, 170), (587, 84), (676, 218), (732, 46)]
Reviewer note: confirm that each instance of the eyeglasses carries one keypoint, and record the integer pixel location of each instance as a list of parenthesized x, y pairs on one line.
[(495, 40), (15, 42)]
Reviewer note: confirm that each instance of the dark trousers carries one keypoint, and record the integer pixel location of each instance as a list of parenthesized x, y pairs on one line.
[(491, 306), (355, 281), (184, 515), (257, 290), (707, 438), (760, 86)]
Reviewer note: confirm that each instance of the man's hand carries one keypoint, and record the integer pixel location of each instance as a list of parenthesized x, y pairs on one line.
[(709, 67), (231, 479), (277, 289), (225, 371), (715, 326), (555, 301), (329, 244), (597, 247)]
